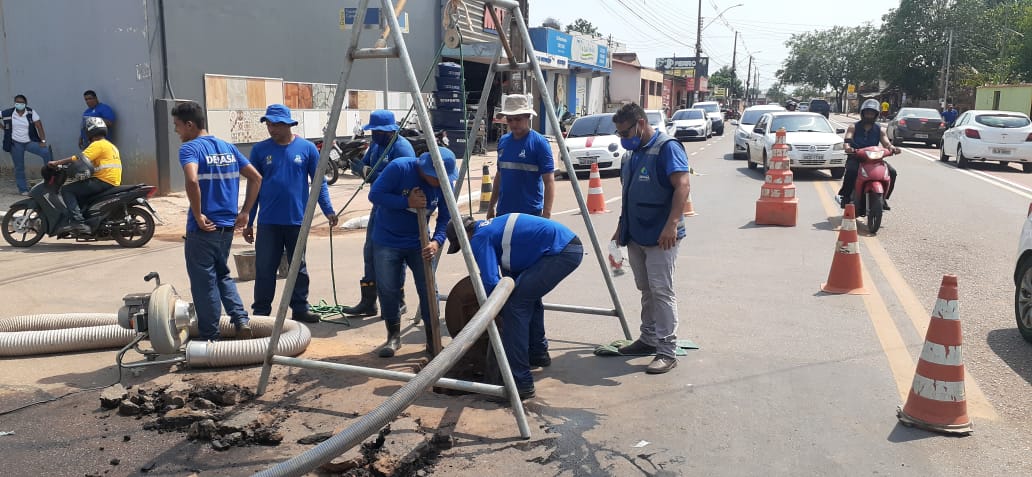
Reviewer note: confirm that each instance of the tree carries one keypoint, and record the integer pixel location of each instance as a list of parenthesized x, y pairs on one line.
[(583, 26), (722, 78), (806, 92), (833, 58), (776, 93), (552, 23)]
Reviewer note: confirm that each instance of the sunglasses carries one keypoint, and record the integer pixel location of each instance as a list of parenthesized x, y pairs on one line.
[(626, 132)]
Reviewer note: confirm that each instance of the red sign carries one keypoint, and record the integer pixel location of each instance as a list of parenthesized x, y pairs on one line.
[(489, 24)]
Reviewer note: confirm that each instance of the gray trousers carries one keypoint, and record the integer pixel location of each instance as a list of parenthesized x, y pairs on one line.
[(653, 270)]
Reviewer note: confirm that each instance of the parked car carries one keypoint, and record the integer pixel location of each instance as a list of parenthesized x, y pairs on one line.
[(1023, 280), (657, 119), (981, 135), (712, 109), (916, 125), (819, 106), (744, 128), (593, 139), (813, 142), (690, 124), (803, 107)]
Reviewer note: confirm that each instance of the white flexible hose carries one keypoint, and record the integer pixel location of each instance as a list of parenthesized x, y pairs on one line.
[(65, 332)]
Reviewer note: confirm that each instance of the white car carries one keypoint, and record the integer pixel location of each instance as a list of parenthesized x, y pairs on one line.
[(712, 109), (1023, 280), (980, 135), (593, 139), (690, 124), (812, 141), (744, 128), (657, 119)]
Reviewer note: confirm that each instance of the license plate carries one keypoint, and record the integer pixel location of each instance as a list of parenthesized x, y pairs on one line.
[(587, 160), (1002, 151), (813, 157), (921, 136)]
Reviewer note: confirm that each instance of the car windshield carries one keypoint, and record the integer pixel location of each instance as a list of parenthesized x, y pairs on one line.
[(688, 114), (709, 108), (750, 117), (1002, 120), (918, 113), (799, 123), (599, 125), (654, 118)]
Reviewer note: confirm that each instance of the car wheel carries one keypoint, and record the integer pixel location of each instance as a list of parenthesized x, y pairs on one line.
[(962, 162), (942, 152), (896, 141), (1023, 300), (1026, 167), (748, 157)]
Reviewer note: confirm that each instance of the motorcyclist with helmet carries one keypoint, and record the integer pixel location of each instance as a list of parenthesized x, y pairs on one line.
[(106, 172), (865, 133), (791, 105)]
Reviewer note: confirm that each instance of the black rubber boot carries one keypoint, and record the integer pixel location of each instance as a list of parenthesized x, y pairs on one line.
[(367, 306), (393, 343)]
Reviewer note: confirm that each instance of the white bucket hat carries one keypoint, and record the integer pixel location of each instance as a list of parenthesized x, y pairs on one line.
[(516, 104)]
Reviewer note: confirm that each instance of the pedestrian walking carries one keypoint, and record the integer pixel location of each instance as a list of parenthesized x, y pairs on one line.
[(406, 186), (287, 164), (23, 131), (655, 185), (525, 182), (212, 169), (95, 109), (537, 253), (384, 127)]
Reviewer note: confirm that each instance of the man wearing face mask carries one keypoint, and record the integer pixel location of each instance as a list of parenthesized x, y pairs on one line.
[(384, 128), (23, 131), (865, 133), (525, 182), (655, 185)]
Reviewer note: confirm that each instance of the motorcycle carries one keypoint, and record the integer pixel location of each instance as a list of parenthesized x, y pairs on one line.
[(334, 166), (872, 182), (121, 213)]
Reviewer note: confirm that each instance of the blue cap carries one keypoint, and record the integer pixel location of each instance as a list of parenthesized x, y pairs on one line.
[(381, 120), (426, 163), (278, 113)]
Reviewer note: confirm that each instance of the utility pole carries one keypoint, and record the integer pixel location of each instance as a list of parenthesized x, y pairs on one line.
[(748, 79), (698, 55), (946, 78), (518, 51), (734, 56), (756, 84)]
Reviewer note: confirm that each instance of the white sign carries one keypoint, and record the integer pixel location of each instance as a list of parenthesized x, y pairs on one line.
[(584, 51)]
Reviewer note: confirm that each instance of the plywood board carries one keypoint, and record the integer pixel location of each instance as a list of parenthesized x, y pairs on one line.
[(274, 91), (366, 100), (348, 121), (290, 93), (304, 96), (216, 95), (322, 96), (237, 93), (256, 94), (218, 123)]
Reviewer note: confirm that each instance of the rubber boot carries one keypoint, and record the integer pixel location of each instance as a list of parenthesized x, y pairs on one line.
[(393, 343), (367, 306)]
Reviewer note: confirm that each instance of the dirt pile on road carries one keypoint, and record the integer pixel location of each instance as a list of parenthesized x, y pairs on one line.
[(402, 448)]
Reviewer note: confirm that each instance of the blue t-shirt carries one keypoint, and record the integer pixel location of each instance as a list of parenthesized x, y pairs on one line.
[(218, 172), (100, 111), (401, 148), (286, 172), (521, 162), (532, 238), (395, 225)]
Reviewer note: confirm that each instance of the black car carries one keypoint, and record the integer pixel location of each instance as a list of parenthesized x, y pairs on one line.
[(917, 125), (820, 106)]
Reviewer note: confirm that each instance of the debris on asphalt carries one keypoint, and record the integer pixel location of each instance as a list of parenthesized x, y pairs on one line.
[(403, 447), (641, 444), (6, 433)]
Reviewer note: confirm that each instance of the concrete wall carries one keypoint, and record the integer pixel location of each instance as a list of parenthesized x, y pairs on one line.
[(625, 83), (1012, 98)]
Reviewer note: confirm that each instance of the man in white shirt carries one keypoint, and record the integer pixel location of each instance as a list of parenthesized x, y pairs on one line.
[(23, 131)]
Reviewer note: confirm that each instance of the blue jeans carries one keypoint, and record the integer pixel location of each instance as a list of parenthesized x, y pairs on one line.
[(523, 316), (269, 246), (210, 283), (367, 250), (18, 157), (390, 278), (71, 194)]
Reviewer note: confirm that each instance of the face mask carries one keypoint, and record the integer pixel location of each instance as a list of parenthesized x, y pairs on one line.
[(382, 139), (19, 106), (631, 143)]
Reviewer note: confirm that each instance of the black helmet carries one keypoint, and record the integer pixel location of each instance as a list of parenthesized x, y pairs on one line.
[(95, 127)]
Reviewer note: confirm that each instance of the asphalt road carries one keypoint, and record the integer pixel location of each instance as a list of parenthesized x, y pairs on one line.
[(787, 380)]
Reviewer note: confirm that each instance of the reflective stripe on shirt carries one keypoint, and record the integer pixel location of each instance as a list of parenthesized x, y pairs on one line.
[(109, 166), (520, 166), (510, 225), (218, 175)]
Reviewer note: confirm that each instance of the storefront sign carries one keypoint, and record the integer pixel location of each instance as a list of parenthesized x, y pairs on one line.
[(603, 60), (584, 51), (553, 42), (683, 66), (550, 61)]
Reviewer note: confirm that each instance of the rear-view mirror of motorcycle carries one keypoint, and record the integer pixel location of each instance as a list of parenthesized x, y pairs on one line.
[(840, 130)]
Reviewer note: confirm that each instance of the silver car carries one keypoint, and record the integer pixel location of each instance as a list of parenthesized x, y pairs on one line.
[(744, 127)]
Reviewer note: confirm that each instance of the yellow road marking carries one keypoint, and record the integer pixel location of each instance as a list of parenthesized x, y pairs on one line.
[(901, 362)]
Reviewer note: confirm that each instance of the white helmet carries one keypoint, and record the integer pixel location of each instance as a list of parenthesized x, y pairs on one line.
[(95, 126), (871, 104)]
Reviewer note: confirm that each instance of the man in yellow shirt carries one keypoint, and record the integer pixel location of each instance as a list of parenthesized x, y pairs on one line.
[(107, 173), (885, 109)]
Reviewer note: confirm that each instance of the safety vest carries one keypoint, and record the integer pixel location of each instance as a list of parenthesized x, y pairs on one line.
[(647, 196), (9, 128)]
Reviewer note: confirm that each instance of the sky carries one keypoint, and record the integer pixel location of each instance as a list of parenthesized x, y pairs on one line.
[(662, 28)]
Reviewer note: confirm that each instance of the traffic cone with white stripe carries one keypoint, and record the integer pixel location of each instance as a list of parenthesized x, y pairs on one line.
[(689, 209), (846, 276), (937, 401), (596, 200)]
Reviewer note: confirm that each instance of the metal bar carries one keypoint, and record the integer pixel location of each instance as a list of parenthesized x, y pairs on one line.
[(434, 320), (501, 36), (448, 383), (313, 196), (456, 218), (384, 413), (588, 310), (369, 53), (517, 67), (546, 96), (508, 4)]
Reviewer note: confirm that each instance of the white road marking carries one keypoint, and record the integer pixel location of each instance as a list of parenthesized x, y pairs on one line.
[(614, 199), (1002, 183)]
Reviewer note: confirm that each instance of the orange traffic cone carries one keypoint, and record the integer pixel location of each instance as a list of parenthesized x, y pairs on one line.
[(689, 210), (778, 204), (846, 275), (596, 201), (936, 401)]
